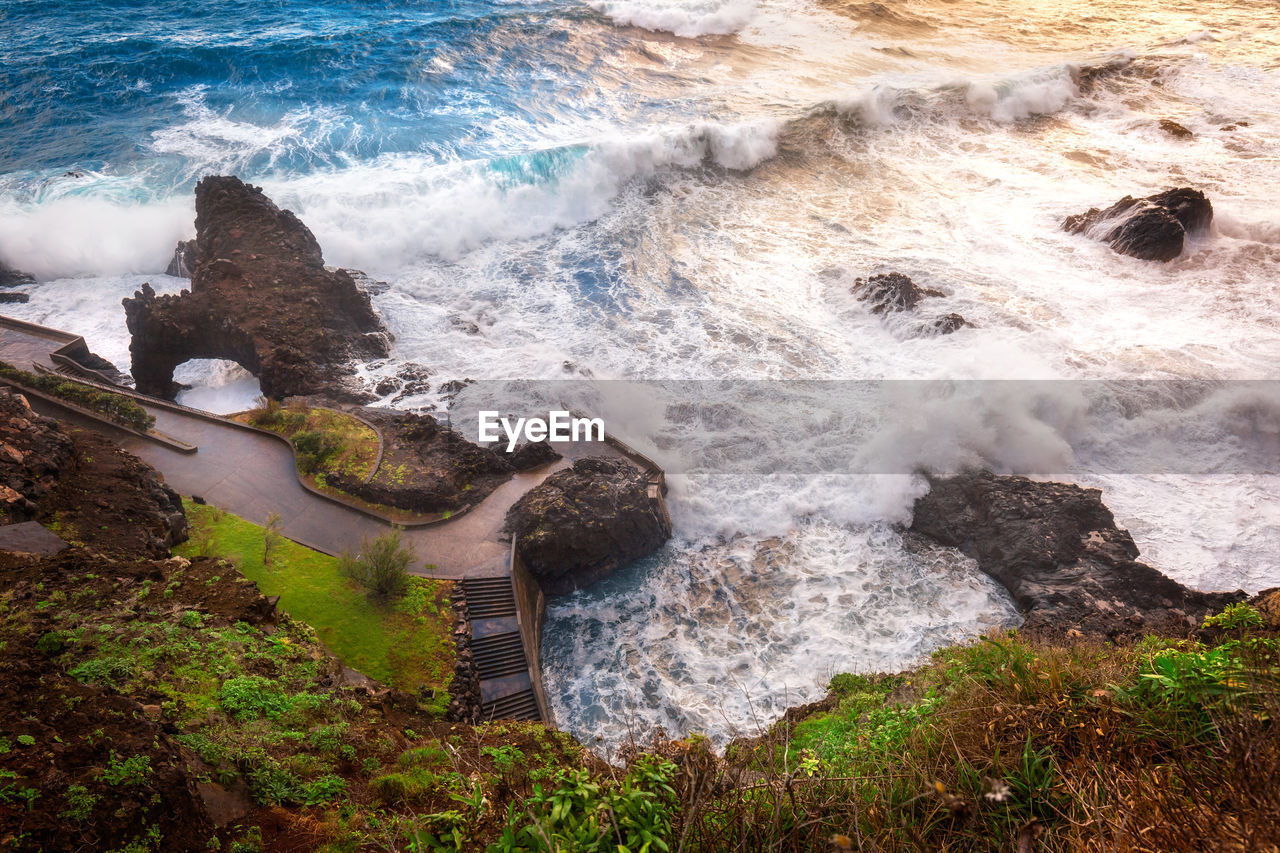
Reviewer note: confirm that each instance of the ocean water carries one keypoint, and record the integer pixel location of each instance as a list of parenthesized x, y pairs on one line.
[(685, 189)]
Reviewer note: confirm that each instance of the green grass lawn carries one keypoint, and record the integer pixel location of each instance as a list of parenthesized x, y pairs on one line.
[(407, 644)]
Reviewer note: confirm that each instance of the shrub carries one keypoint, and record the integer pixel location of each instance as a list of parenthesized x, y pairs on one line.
[(80, 803), (381, 567), (268, 414), (52, 643), (586, 816), (315, 448), (134, 770)]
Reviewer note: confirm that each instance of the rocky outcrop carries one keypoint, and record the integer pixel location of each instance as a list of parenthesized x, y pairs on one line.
[(260, 296), (584, 522), (92, 491), (531, 455), (10, 277), (33, 454), (1058, 552), (948, 323), (183, 262), (1154, 228), (1175, 130), (891, 292)]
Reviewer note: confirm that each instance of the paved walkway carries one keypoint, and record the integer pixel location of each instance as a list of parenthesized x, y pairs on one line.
[(253, 475)]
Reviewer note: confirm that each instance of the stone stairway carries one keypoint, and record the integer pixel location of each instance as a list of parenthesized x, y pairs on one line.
[(505, 688)]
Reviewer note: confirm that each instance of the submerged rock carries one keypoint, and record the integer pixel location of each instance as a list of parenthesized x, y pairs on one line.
[(10, 277), (260, 296), (1057, 550), (948, 323), (583, 523), (14, 298), (1150, 229), (891, 292), (1175, 130)]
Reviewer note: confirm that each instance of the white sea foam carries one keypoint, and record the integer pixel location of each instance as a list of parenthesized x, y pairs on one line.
[(686, 18)]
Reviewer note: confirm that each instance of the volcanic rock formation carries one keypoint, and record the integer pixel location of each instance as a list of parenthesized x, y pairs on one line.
[(1058, 552), (584, 522), (1154, 228), (260, 296)]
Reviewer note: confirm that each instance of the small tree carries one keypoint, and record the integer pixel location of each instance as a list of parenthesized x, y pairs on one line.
[(271, 538), (381, 567)]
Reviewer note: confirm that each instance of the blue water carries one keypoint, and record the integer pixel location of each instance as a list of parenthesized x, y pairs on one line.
[(90, 86)]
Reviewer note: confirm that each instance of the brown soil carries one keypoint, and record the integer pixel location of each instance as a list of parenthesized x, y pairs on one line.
[(77, 730), (82, 486)]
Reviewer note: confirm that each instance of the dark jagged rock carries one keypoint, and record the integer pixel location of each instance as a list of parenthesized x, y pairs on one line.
[(584, 522), (1057, 550), (14, 298), (1175, 130), (1150, 229), (9, 277), (260, 296), (47, 470), (948, 323), (891, 292), (183, 261), (531, 455)]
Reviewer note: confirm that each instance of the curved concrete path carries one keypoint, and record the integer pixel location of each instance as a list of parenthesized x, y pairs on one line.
[(253, 475)]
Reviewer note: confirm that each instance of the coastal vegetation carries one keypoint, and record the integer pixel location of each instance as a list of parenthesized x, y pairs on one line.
[(117, 407), (325, 441), (404, 641), (381, 566)]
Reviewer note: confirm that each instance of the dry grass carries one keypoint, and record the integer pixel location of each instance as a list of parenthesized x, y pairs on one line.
[(1011, 745)]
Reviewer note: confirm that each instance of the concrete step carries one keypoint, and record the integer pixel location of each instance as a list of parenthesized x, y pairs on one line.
[(517, 706), (499, 654), (489, 598)]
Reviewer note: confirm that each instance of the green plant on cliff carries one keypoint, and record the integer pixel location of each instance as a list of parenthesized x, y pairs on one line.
[(1007, 744), (381, 566), (117, 407)]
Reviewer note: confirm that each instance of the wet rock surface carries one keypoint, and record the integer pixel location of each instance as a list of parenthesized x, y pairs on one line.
[(581, 524), (260, 296), (183, 261), (891, 292), (1057, 550), (10, 277), (1154, 228)]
